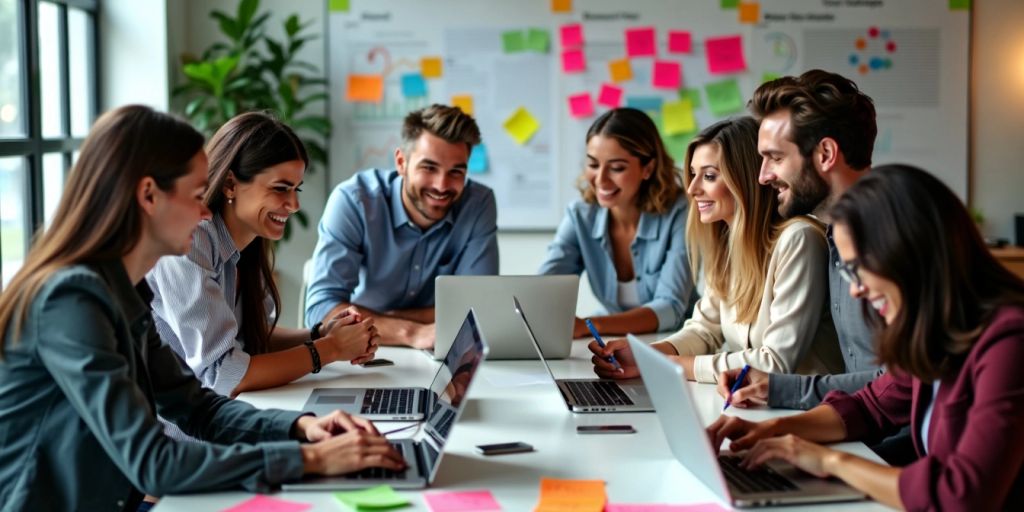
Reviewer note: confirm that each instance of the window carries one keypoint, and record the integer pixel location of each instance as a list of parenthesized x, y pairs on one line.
[(48, 99)]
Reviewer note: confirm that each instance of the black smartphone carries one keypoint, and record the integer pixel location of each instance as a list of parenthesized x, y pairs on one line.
[(378, 362), (502, 448), (605, 429)]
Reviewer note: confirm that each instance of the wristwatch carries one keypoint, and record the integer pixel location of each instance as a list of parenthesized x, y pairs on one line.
[(314, 333), (314, 354)]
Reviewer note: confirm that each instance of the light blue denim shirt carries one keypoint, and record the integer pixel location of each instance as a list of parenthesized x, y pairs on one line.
[(663, 279), (371, 254)]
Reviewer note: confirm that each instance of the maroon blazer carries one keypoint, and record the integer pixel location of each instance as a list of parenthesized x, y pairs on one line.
[(976, 435)]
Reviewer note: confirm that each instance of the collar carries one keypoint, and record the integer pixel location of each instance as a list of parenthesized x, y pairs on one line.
[(134, 300), (647, 229), (226, 244), (399, 217)]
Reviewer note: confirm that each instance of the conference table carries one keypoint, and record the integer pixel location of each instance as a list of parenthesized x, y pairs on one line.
[(517, 401)]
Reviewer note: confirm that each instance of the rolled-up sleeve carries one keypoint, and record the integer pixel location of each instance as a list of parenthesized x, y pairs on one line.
[(338, 255), (674, 290), (480, 257), (564, 253), (702, 332)]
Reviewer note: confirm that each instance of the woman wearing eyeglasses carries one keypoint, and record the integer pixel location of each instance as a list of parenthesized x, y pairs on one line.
[(949, 325)]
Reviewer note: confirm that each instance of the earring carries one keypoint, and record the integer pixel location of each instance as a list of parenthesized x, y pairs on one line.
[(231, 200)]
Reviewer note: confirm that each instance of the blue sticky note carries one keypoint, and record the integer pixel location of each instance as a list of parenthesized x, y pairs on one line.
[(646, 103), (478, 159), (413, 85)]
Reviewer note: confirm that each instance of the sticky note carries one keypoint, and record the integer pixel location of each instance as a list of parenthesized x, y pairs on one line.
[(478, 159), (581, 105), (959, 5), (610, 96), (413, 85), (693, 95), (724, 97), (572, 35), (513, 41), (667, 75), (620, 70), (573, 61), (679, 41), (521, 125), (749, 12), (676, 146), (464, 102), (461, 501), (268, 504), (677, 117), (769, 76), (365, 88), (561, 5), (729, 4), (538, 40), (699, 507), (576, 495), (382, 496), (640, 42), (725, 54), (431, 67), (645, 103), (338, 5)]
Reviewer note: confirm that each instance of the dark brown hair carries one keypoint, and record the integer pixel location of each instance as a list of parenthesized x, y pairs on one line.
[(637, 134), (911, 229), (822, 104), (98, 217), (244, 147), (448, 123)]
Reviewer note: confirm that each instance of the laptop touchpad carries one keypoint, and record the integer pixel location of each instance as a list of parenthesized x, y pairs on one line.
[(336, 399)]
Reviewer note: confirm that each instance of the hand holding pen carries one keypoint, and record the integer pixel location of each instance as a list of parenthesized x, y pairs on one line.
[(736, 385), (600, 342)]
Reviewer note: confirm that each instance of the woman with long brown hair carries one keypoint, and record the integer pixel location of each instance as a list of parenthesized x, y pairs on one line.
[(216, 305), (83, 373)]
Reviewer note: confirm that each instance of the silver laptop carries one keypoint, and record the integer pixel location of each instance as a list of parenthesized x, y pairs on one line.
[(776, 483), (592, 395), (552, 298), (397, 404), (424, 450)]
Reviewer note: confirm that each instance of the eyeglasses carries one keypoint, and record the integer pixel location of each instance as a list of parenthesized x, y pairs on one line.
[(850, 271)]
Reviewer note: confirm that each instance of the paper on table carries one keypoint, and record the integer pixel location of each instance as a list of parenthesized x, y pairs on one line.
[(667, 75), (581, 105), (461, 501), (521, 125), (640, 42), (268, 504), (571, 495), (724, 97), (725, 54), (573, 61), (679, 41), (413, 85), (677, 117), (639, 507), (380, 497), (513, 41), (572, 35), (610, 96), (620, 70), (365, 88), (464, 102), (431, 67), (478, 159)]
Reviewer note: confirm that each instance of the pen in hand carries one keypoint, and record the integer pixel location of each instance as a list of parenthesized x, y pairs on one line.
[(600, 343), (736, 385)]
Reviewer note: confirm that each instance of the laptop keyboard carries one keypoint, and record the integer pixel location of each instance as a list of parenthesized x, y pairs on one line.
[(388, 401), (380, 473), (598, 392), (762, 479)]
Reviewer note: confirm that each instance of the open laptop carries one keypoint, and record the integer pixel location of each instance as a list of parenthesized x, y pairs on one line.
[(399, 404), (423, 451), (552, 298), (776, 483), (592, 395)]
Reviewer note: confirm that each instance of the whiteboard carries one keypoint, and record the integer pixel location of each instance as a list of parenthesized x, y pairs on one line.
[(920, 83)]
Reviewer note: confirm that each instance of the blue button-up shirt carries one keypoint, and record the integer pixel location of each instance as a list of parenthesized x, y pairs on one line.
[(371, 254), (663, 279)]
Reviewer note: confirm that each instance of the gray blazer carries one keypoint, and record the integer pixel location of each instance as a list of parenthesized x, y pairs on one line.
[(79, 393)]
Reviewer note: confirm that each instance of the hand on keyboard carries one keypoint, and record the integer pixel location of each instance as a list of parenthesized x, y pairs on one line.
[(338, 422), (352, 451)]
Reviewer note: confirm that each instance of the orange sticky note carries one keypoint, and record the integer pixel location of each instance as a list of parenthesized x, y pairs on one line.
[(431, 67), (620, 70), (464, 102), (365, 88), (561, 5), (749, 12), (571, 495)]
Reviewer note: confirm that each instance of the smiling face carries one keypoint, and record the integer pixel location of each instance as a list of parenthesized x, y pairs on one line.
[(178, 211), (707, 188), (883, 294), (614, 174), (433, 174), (800, 188), (261, 207)]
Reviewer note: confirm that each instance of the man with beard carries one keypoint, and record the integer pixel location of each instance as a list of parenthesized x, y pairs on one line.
[(386, 234)]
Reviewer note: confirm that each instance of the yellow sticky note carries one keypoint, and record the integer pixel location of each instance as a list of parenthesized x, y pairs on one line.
[(749, 12), (571, 495), (431, 67), (561, 5), (366, 88), (678, 116), (521, 125), (620, 70), (464, 102)]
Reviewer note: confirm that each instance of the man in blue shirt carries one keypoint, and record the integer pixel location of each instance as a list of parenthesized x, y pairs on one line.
[(386, 234)]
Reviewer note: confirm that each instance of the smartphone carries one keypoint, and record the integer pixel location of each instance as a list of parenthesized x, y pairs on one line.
[(378, 362), (605, 429), (503, 448)]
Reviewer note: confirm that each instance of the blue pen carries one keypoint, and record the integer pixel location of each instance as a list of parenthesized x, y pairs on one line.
[(736, 385), (600, 343)]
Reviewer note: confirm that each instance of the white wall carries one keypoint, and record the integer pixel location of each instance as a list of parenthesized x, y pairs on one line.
[(133, 58)]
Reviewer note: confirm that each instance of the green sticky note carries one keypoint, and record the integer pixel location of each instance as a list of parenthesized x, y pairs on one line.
[(374, 498), (691, 94), (676, 146), (538, 40), (959, 5), (768, 76), (730, 4), (513, 41), (338, 5), (724, 97)]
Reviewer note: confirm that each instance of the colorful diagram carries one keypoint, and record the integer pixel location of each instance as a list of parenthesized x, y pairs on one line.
[(873, 52), (783, 53)]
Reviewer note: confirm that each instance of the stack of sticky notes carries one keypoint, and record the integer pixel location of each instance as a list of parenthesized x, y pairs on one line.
[(268, 504), (558, 495), (382, 497), (461, 501)]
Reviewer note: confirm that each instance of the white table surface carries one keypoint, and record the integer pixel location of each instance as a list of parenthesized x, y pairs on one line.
[(510, 401)]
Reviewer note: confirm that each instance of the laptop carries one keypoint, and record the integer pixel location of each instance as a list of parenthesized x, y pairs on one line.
[(424, 450), (775, 483), (592, 395), (399, 404), (552, 298)]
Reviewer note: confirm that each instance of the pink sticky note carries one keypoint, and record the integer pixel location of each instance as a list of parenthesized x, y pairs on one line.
[(700, 507), (640, 42), (572, 35), (610, 96), (268, 504), (725, 54), (461, 501), (667, 75), (679, 41), (580, 105), (573, 61)]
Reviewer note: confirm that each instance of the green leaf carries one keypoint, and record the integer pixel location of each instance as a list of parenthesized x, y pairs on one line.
[(228, 107), (317, 153), (201, 71), (292, 26), (318, 124), (246, 10), (194, 105), (227, 25), (238, 83), (322, 96), (183, 89)]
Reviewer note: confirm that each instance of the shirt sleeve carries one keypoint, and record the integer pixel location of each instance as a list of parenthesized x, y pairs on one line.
[(337, 257), (791, 391), (675, 284), (480, 256), (564, 253), (702, 333)]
